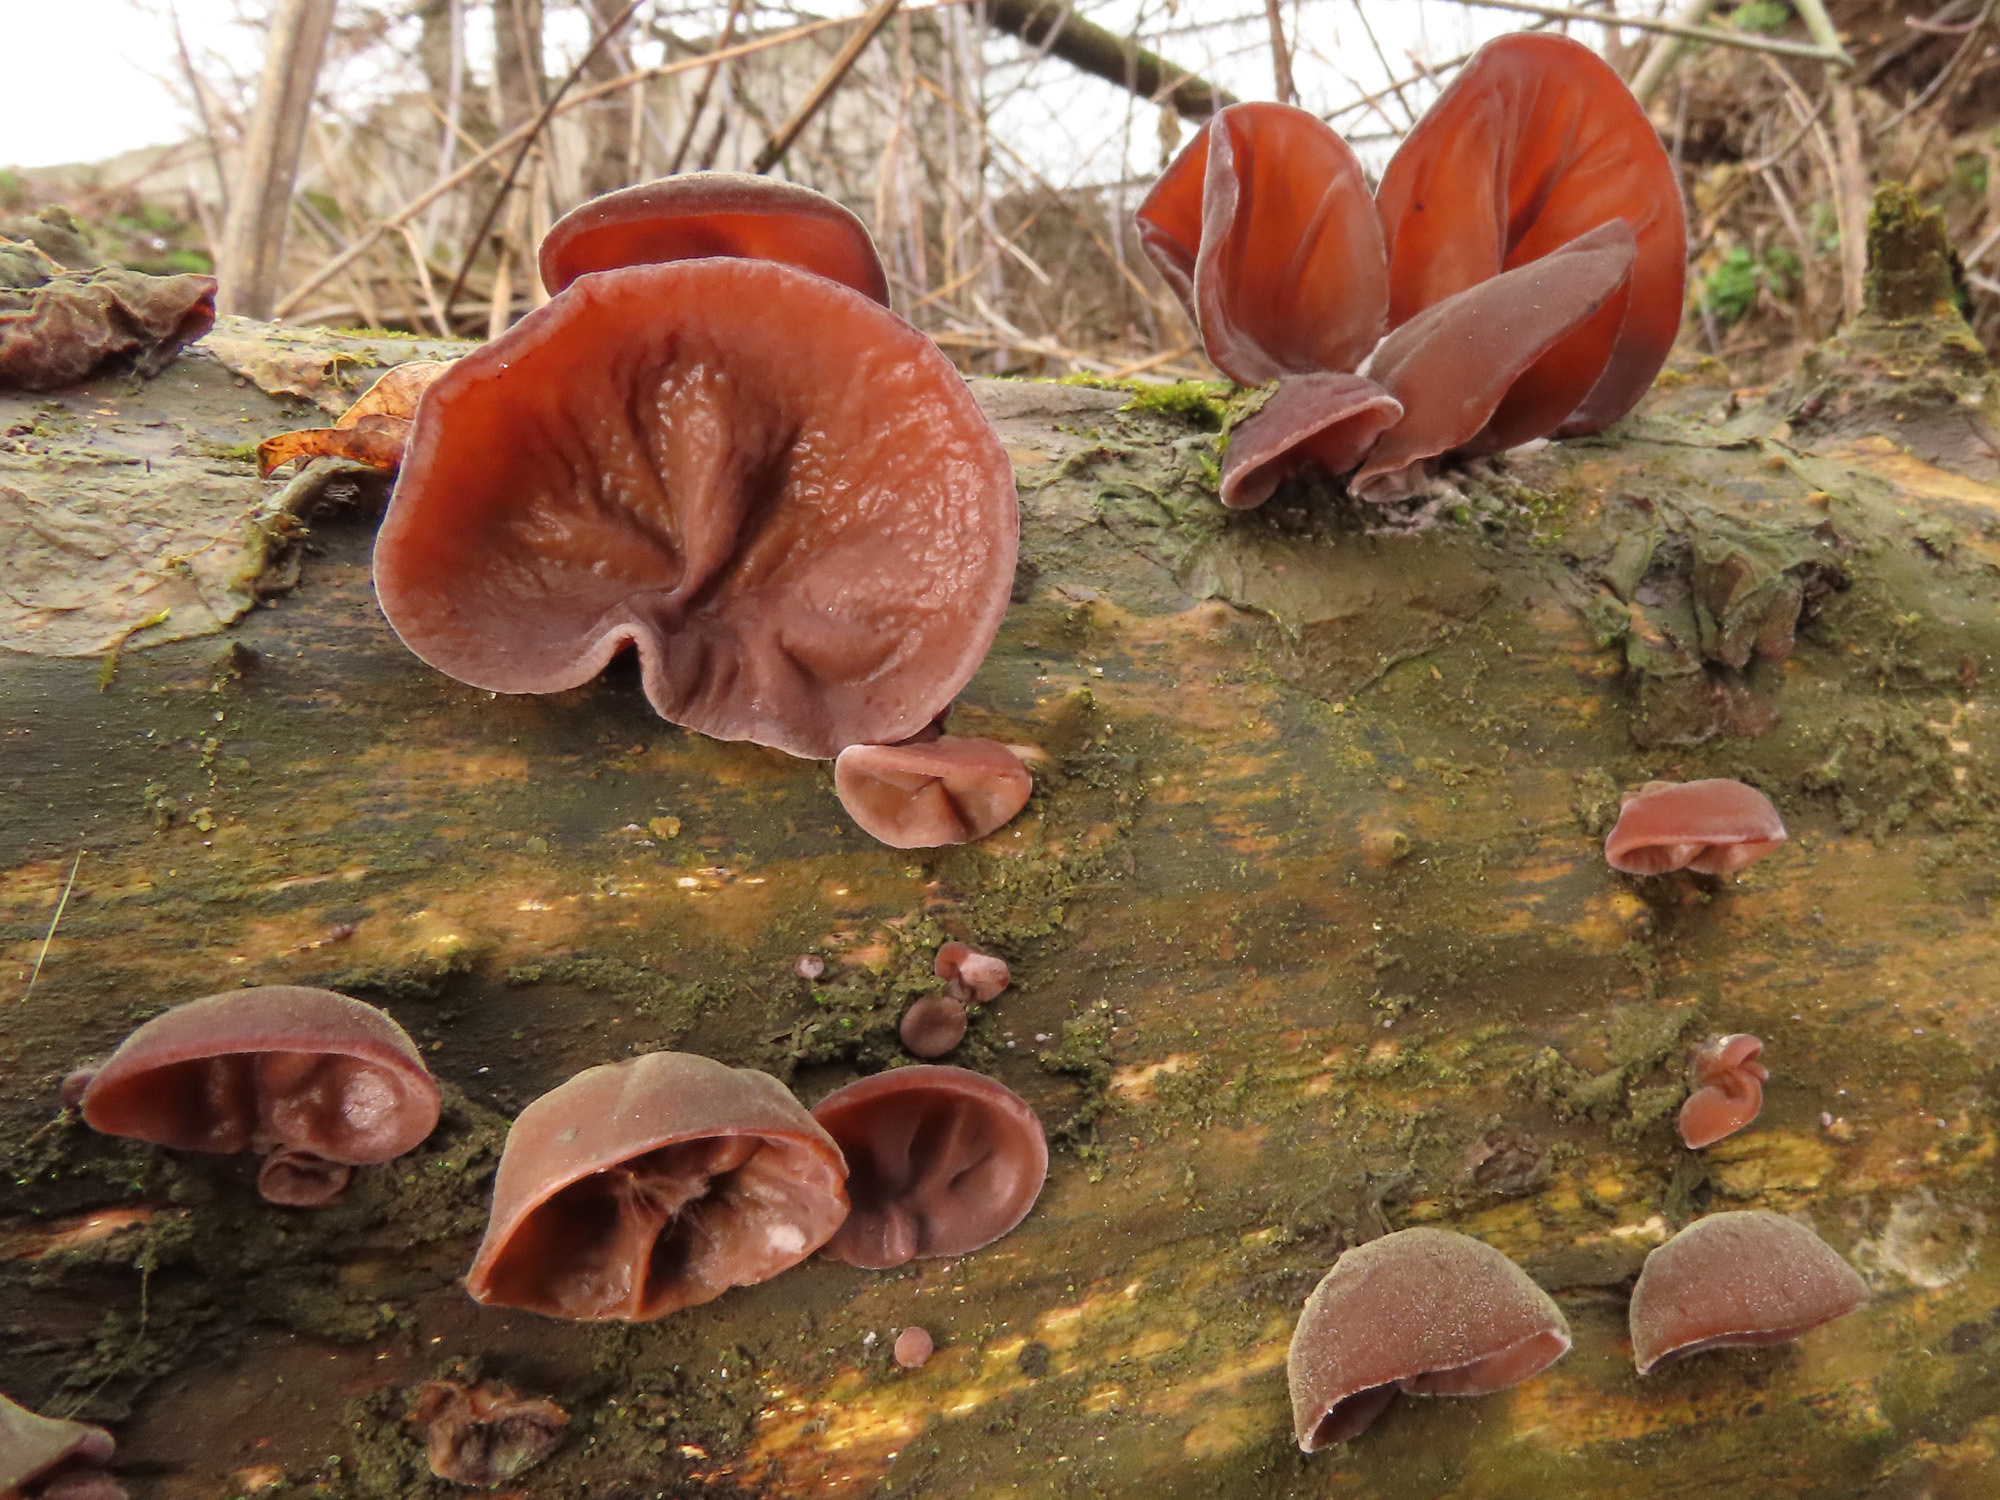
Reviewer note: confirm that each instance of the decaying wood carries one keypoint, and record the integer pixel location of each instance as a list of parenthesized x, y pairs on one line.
[(1309, 923)]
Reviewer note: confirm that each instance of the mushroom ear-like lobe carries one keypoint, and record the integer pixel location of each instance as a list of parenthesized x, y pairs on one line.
[(1536, 142), (1716, 827), (951, 791), (642, 1187), (1265, 228), (782, 495), (1426, 1311), (1478, 371), (1729, 1090), (940, 1161), (1326, 421), (1747, 1278), (32, 1446), (702, 214)]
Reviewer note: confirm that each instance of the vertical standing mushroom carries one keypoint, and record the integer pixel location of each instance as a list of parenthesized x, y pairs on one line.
[(1728, 1093)]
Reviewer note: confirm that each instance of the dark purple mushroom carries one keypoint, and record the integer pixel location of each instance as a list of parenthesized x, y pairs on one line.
[(1728, 1093), (46, 1458), (1715, 826), (642, 1187), (1424, 1311), (940, 1161), (315, 1082), (918, 796), (1746, 1278)]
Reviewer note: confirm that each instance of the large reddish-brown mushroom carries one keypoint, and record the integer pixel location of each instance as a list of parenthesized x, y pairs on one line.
[(315, 1082), (1424, 1311), (703, 214), (952, 790), (1715, 827), (782, 495), (1328, 421), (1747, 1278), (46, 1458), (642, 1187), (1729, 1090), (940, 1161)]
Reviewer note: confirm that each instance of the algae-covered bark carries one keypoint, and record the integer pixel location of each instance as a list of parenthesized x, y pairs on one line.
[(1311, 935)]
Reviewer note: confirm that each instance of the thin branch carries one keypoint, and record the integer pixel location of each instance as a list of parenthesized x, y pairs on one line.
[(1281, 57), (775, 148), (722, 41), (50, 936), (1739, 39)]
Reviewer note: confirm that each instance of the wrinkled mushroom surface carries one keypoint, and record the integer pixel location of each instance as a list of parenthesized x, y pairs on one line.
[(918, 796), (782, 495), (1715, 827), (1742, 1278), (966, 971), (940, 1161), (1728, 1092), (483, 1434), (714, 214), (61, 330), (316, 1081), (642, 1187), (1425, 1311)]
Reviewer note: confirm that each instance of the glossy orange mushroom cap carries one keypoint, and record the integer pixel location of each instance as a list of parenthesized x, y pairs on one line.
[(1729, 1090)]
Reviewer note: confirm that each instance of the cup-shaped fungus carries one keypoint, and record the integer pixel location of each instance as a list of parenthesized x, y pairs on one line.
[(781, 494), (700, 215), (966, 971), (483, 1434), (642, 1187), (940, 1161), (315, 1082), (1715, 827), (951, 791), (914, 1348), (1728, 1090), (1425, 1311), (1746, 1278), (50, 1459), (933, 1025)]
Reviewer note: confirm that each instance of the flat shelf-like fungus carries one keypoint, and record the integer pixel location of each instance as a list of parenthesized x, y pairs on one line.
[(952, 790), (1728, 1090), (314, 1081), (940, 1161), (1424, 1311), (783, 496), (47, 1458), (642, 1187), (1715, 827), (1746, 1278)]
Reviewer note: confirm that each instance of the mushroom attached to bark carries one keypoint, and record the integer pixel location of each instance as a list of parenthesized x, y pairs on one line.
[(699, 215), (642, 1187), (314, 1081), (1715, 827), (940, 1161), (783, 496), (48, 1458), (1424, 1311), (1746, 1278), (914, 1347), (484, 1434), (966, 971), (1328, 421), (1729, 1090), (951, 791), (933, 1025)]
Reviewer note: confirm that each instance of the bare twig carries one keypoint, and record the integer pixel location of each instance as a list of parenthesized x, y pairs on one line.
[(781, 142), (1665, 52), (1104, 54), (49, 937), (722, 41), (1717, 37), (1281, 56)]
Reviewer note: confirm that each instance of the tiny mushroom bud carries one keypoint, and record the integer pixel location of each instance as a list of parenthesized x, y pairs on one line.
[(1729, 1090), (940, 1161), (1746, 1278), (484, 1434), (975, 975), (914, 1347), (315, 1081), (642, 1187), (48, 1457), (1425, 1311), (950, 791), (933, 1025), (1715, 827)]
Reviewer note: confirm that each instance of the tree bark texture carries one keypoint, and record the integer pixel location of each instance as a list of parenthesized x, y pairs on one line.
[(1311, 931)]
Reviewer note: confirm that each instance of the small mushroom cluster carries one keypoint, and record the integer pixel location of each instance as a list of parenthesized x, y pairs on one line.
[(1525, 255)]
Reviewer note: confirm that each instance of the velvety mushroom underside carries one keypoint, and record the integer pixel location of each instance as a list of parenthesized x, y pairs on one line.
[(780, 493)]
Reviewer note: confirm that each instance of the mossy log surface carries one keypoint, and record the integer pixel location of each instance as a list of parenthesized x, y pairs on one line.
[(1311, 933)]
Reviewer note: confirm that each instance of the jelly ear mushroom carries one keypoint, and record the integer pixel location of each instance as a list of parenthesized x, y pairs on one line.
[(918, 796), (1265, 229), (642, 1187), (314, 1081), (1729, 1090), (966, 971), (714, 214), (940, 1161), (1424, 1311), (1715, 827), (48, 1457), (1746, 1278), (783, 496), (1328, 421), (1535, 143)]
